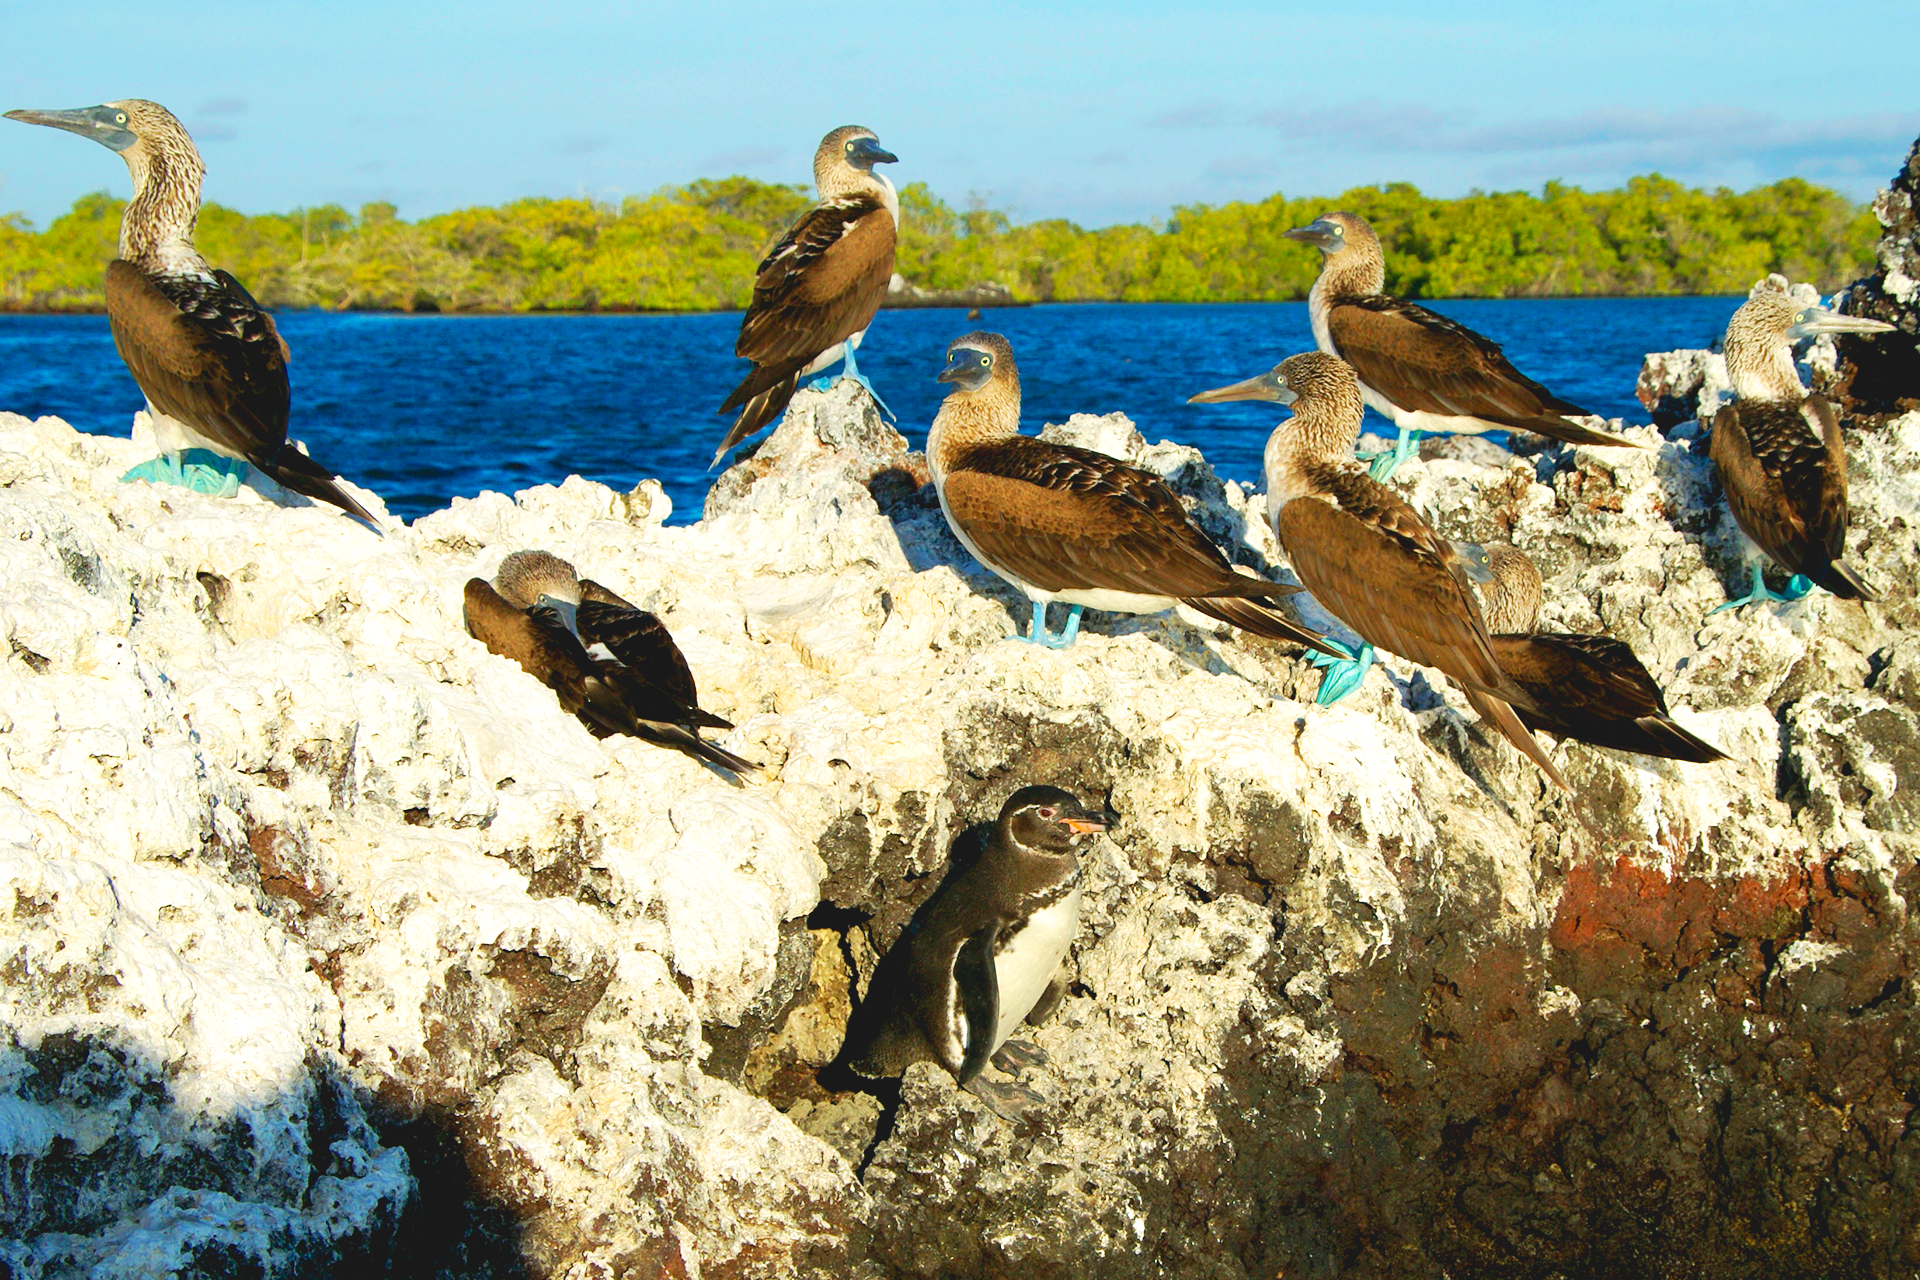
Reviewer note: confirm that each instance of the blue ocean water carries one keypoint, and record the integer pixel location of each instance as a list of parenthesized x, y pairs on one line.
[(422, 409)]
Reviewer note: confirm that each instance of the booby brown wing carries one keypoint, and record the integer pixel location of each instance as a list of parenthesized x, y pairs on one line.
[(1422, 361), (539, 641), (820, 284), (205, 353), (1063, 518), (1370, 560), (1594, 689), (1787, 488), (640, 642)]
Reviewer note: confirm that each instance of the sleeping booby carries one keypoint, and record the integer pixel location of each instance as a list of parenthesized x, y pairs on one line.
[(1421, 370), (1588, 687), (1069, 524), (1365, 554), (210, 361), (1779, 452), (983, 953), (611, 664), (816, 293)]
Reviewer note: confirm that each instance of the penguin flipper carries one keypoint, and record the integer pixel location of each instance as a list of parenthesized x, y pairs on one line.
[(976, 999)]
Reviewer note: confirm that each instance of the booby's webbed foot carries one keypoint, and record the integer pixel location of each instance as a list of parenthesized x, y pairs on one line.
[(862, 381), (1037, 633), (1343, 674), (201, 470), (1797, 588), (1018, 1055), (1388, 461), (1008, 1099)]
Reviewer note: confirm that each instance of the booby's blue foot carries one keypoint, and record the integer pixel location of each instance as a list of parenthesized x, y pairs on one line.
[(1343, 674), (201, 470), (1038, 633), (852, 370), (1797, 588), (1388, 461)]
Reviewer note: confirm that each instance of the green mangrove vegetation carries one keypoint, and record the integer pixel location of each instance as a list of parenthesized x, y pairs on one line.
[(694, 248)]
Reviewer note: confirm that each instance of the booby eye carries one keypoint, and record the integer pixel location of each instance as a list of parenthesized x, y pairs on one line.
[(119, 117), (985, 361)]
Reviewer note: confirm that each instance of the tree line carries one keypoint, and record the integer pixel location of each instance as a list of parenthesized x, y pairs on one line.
[(694, 248)]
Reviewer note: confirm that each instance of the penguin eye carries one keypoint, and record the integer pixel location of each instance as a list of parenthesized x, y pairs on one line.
[(1046, 813)]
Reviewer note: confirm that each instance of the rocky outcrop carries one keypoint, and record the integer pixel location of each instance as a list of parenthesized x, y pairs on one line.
[(331, 942), (1881, 376)]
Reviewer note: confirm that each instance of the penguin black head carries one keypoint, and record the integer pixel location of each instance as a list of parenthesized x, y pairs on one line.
[(1046, 820)]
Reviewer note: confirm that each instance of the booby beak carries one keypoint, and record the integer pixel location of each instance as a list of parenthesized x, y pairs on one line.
[(1321, 234), (1475, 560), (105, 125), (1268, 386), (967, 369), (867, 153), (1817, 320), (569, 611)]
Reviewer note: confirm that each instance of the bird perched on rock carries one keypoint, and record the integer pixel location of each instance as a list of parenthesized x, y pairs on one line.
[(1365, 554), (610, 664), (1069, 524), (817, 291), (1588, 687), (984, 952), (210, 361), (1420, 369), (1779, 452)]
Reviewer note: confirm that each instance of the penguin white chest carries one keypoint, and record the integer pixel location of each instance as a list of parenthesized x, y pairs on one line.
[(1026, 964)]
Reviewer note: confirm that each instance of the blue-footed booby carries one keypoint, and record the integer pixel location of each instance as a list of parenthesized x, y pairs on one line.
[(210, 361), (1779, 452), (1588, 687), (983, 953), (1421, 370), (611, 664), (1365, 554), (816, 293), (1069, 524)]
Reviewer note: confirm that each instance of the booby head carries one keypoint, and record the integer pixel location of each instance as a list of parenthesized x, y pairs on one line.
[(527, 579), (845, 159), (1760, 340), (1351, 248), (978, 360), (1046, 821), (161, 157), (1508, 583), (1322, 390), (1337, 232)]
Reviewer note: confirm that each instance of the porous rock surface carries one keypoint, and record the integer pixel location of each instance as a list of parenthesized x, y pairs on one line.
[(1881, 375), (333, 945)]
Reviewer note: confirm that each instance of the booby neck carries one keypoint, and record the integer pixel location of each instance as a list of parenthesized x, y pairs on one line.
[(1759, 356), (156, 232), (973, 416), (1308, 453), (1352, 267), (837, 176), (1510, 603)]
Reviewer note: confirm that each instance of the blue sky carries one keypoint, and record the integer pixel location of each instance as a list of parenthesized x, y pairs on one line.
[(1099, 112)]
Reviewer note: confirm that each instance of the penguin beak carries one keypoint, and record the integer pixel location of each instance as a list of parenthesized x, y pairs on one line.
[(1083, 823), (1268, 386)]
